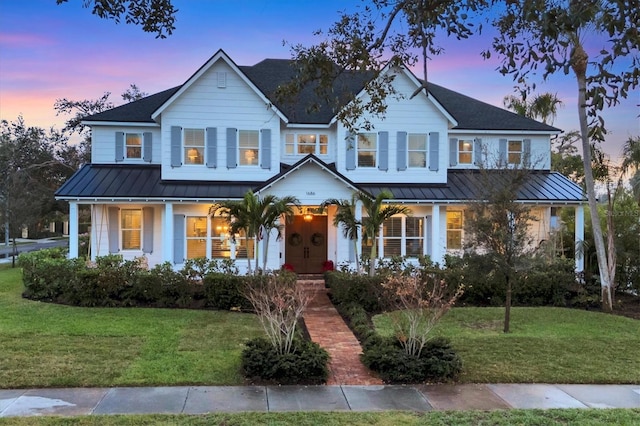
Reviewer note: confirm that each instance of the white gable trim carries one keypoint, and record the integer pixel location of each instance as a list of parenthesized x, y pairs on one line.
[(302, 163), (387, 68), (220, 55), (119, 123), (503, 132)]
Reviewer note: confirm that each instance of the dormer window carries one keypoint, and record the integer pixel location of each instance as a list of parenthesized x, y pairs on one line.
[(514, 153), (193, 146), (306, 143)]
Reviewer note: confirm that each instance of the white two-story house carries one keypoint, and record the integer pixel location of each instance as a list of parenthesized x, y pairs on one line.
[(160, 163)]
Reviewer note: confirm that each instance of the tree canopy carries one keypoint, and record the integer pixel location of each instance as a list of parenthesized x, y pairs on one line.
[(155, 16)]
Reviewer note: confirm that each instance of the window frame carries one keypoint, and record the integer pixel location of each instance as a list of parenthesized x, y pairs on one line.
[(424, 151), (242, 151), (403, 239), (373, 150), (469, 152), (123, 229), (519, 153), (189, 157), (458, 230), (208, 236), (128, 146), (295, 143)]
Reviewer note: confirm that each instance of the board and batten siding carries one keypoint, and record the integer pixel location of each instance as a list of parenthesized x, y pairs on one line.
[(103, 144), (410, 115), (205, 105)]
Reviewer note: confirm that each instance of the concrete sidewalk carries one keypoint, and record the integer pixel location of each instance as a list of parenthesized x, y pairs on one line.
[(206, 399)]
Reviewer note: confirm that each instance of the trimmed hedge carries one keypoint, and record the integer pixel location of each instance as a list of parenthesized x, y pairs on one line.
[(306, 364), (363, 290), (540, 282), (49, 276)]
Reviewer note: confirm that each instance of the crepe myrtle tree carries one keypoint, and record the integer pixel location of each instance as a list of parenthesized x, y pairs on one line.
[(498, 224), (540, 38)]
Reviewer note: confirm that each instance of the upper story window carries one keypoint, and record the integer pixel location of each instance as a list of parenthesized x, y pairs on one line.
[(249, 147), (306, 143), (465, 151), (131, 229), (193, 143), (133, 145), (417, 150), (454, 230), (367, 149), (514, 151)]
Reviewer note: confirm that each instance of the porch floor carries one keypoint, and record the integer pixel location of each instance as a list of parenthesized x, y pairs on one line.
[(327, 328)]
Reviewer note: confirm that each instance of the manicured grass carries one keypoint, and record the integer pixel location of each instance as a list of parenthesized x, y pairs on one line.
[(497, 418), (552, 345), (47, 345)]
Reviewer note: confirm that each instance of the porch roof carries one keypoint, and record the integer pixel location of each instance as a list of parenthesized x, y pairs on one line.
[(119, 182)]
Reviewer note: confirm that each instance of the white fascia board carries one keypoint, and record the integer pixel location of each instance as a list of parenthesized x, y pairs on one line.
[(504, 132), (417, 83), (119, 124), (121, 200), (219, 55), (308, 126), (466, 202)]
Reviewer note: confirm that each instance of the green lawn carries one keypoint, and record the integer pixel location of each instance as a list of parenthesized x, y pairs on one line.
[(471, 418), (552, 345), (47, 345)]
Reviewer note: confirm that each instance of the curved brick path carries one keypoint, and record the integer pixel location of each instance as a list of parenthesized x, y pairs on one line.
[(326, 327)]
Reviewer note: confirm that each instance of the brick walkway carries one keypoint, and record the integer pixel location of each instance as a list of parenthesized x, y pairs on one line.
[(326, 327)]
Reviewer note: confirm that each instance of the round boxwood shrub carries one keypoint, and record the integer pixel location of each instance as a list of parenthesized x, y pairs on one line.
[(306, 364), (438, 361)]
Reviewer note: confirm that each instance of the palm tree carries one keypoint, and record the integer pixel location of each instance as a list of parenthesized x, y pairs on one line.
[(376, 214), (273, 209), (346, 218), (254, 216), (543, 106)]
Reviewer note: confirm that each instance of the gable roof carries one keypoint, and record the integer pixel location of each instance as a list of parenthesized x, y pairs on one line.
[(267, 75)]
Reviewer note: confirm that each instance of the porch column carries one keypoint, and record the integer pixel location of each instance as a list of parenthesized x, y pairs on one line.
[(358, 215), (437, 253), (579, 239), (167, 233), (73, 230)]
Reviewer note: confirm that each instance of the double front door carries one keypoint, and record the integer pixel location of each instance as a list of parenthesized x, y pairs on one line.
[(306, 244)]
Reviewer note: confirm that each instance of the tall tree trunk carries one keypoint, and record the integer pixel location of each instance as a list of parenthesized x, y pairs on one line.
[(579, 65), (355, 254), (507, 304), (373, 257)]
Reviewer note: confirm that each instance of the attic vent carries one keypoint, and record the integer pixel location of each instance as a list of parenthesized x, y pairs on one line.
[(222, 80)]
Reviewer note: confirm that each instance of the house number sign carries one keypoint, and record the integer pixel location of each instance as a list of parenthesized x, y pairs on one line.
[(311, 193)]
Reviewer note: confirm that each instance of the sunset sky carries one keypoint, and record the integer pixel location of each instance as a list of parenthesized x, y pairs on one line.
[(49, 52)]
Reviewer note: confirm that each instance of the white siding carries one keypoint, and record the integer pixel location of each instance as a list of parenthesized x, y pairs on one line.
[(103, 143), (203, 105), (412, 115), (330, 157)]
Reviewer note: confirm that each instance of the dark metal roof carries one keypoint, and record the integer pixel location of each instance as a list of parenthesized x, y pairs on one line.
[(143, 182), (466, 185), (268, 74)]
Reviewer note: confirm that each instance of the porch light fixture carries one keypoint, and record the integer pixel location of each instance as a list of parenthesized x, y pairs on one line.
[(308, 217)]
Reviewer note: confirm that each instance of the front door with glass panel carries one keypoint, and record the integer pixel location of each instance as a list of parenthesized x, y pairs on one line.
[(306, 244)]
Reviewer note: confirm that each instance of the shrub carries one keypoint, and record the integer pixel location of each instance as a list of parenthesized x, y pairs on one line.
[(347, 288), (437, 361), (47, 274), (305, 364), (223, 291)]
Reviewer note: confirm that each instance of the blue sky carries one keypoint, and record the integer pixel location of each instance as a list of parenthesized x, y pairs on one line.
[(50, 51)]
